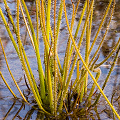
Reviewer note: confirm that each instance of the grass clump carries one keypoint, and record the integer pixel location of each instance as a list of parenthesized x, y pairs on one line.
[(55, 91)]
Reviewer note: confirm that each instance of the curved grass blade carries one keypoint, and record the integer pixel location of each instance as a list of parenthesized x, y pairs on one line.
[(12, 74), (110, 54), (7, 85), (107, 78), (86, 65), (16, 47)]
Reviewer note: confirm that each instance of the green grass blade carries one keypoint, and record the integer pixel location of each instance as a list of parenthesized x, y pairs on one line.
[(37, 25), (55, 67), (98, 70), (48, 18), (79, 44), (9, 32), (87, 67), (59, 19), (40, 69), (28, 30), (10, 16), (98, 48), (106, 12), (78, 26)]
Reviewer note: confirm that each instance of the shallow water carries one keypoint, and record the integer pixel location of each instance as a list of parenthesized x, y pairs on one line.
[(113, 86)]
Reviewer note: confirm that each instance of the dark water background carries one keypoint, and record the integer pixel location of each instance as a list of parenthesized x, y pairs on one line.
[(113, 86)]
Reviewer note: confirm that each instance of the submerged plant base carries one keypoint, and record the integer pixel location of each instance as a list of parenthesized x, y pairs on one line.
[(80, 111), (32, 111)]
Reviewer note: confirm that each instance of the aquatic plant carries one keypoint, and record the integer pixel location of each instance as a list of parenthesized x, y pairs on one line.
[(56, 90)]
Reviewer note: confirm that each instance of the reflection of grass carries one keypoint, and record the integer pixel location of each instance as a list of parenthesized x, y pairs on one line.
[(55, 80)]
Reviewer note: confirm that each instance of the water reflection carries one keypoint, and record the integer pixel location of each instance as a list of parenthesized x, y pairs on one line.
[(18, 110), (110, 40)]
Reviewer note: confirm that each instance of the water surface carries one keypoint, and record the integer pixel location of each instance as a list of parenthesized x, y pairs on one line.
[(112, 89)]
